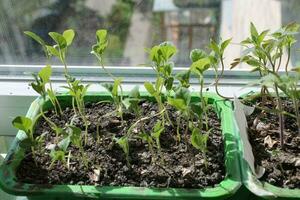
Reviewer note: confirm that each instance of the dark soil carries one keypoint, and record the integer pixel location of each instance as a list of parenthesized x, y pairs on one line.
[(282, 165), (179, 165)]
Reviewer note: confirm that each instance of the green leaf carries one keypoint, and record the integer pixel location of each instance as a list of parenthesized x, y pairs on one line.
[(184, 78), (153, 55), (64, 143), (157, 129), (224, 45), (199, 140), (169, 83), (45, 74), (59, 39), (179, 104), (145, 137), (75, 135), (69, 36), (200, 66), (183, 93), (123, 143), (135, 93), (52, 51), (159, 83), (23, 123), (37, 88), (35, 37), (116, 85), (215, 47), (102, 42), (253, 62), (262, 36), (101, 36), (149, 87), (197, 54), (197, 109), (253, 31), (167, 50), (57, 155)]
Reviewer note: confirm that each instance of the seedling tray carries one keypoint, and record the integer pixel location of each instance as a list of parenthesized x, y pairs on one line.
[(227, 188), (261, 189)]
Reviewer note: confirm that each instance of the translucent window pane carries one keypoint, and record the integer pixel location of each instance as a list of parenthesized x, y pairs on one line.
[(137, 24)]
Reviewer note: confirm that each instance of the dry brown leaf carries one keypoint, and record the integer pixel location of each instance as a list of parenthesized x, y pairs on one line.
[(269, 141)]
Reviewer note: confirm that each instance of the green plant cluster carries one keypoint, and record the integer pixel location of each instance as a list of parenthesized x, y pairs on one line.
[(264, 52), (164, 90)]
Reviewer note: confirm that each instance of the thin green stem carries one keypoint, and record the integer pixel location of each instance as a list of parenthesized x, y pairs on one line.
[(288, 60), (217, 79), (280, 115)]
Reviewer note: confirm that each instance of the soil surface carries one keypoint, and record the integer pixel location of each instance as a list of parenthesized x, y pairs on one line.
[(178, 165), (282, 165)]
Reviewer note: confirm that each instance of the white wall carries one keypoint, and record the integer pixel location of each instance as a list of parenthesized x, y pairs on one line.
[(236, 18)]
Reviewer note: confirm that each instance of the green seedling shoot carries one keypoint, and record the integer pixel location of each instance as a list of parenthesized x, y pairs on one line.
[(132, 101), (154, 137), (216, 57), (25, 124), (147, 138), (98, 50), (264, 53), (200, 64), (199, 141), (289, 86), (160, 56), (123, 143), (77, 90), (41, 80), (73, 136), (181, 102), (113, 89), (57, 155), (156, 132)]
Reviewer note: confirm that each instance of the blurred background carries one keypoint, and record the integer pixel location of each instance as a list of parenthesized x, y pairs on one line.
[(136, 24)]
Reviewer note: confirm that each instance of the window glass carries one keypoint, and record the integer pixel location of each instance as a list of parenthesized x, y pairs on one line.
[(135, 25)]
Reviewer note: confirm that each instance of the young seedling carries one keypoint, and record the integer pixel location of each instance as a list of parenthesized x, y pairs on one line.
[(77, 90), (58, 50), (199, 141), (154, 137), (98, 50), (123, 143), (147, 138), (132, 101), (200, 63), (181, 102), (25, 124), (216, 56), (57, 155), (264, 53), (289, 86), (160, 56), (113, 89), (41, 80), (73, 135)]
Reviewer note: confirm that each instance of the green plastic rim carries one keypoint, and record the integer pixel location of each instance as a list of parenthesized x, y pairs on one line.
[(228, 187), (260, 188)]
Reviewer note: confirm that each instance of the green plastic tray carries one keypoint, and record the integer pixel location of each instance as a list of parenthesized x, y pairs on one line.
[(227, 188), (262, 190)]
